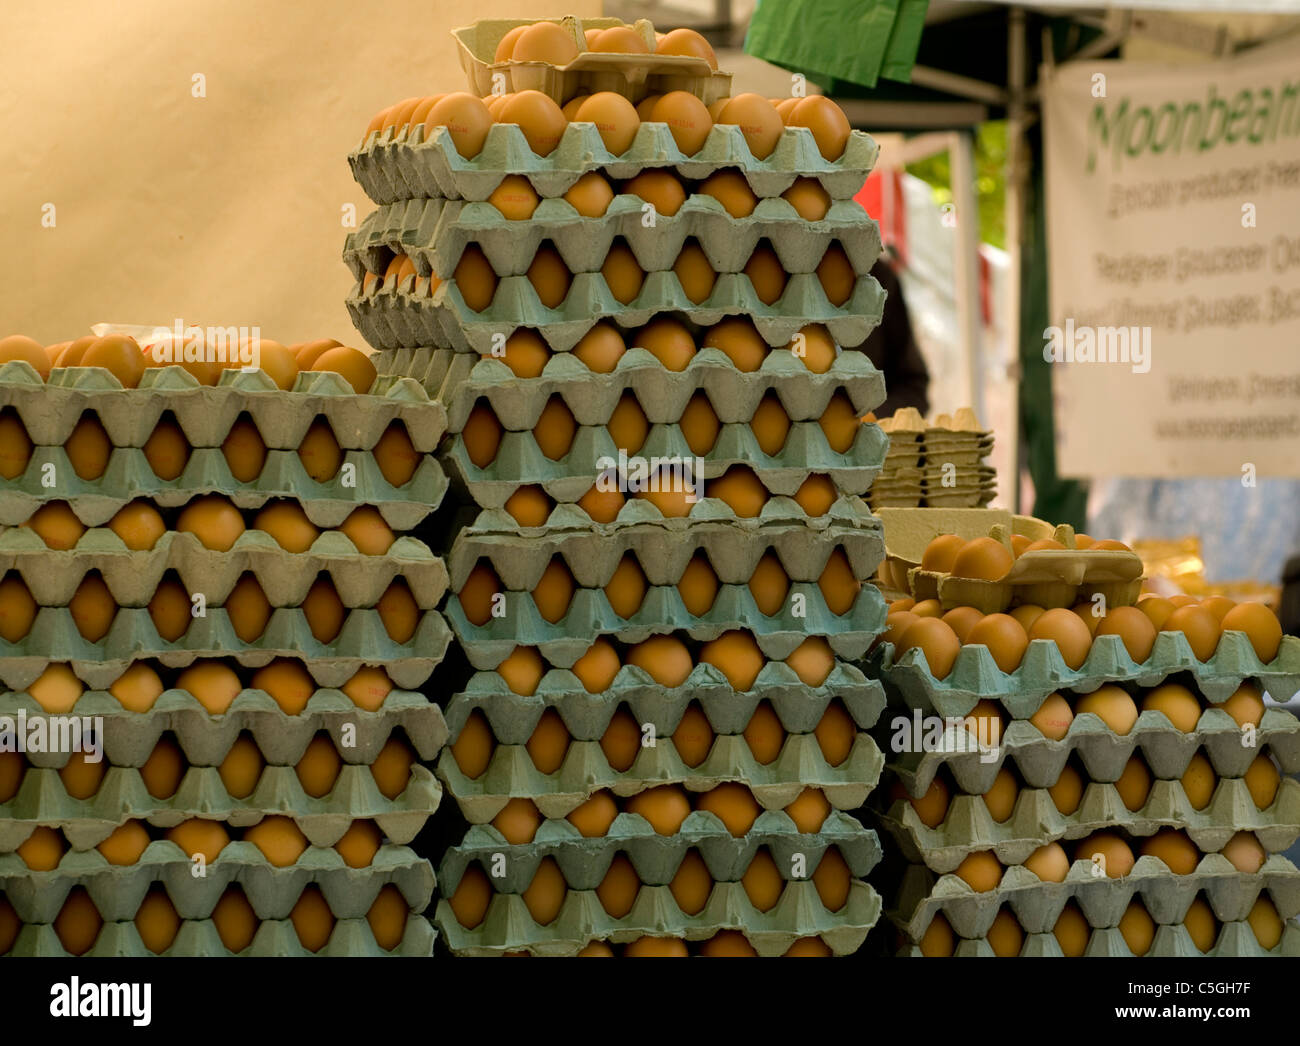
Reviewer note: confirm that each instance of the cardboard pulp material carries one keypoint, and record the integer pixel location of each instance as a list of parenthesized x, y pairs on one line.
[(975, 675), (404, 164), (509, 927), (205, 739), (394, 317), (52, 576), (122, 796), (586, 771), (434, 233), (350, 938), (969, 827), (590, 615), (656, 858), (1235, 940), (118, 890), (132, 637), (799, 707), (50, 410), (1038, 904)]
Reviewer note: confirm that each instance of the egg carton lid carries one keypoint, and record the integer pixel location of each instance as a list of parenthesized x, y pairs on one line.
[(50, 410), (586, 771), (590, 615), (129, 737), (52, 576), (909, 531), (402, 164), (508, 926), (460, 380), (1236, 940), (118, 890), (1038, 904), (656, 858), (435, 232), (972, 500), (350, 938), (969, 827), (395, 318), (42, 800), (800, 707)]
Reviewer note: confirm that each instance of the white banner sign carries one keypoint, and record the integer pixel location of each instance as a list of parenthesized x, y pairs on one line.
[(1173, 212)]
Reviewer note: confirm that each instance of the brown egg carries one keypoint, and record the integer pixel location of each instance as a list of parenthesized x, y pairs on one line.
[(368, 531), (733, 804), (475, 279), (1134, 629), (812, 660), (941, 553), (1067, 631), (19, 347), (665, 807), (769, 584), (126, 844), (762, 881), (551, 279), (313, 922), (698, 585), (398, 612), (1067, 793), (1005, 935), (687, 118), (555, 589), (962, 619), (1005, 638), (764, 734), (482, 435), (1265, 923), (1053, 717), (740, 341), (1261, 626), (549, 742), (627, 587), (1218, 606), (12, 770), (71, 354), (694, 273), (245, 453), (808, 198), (838, 583), (213, 684), (621, 741), (526, 353), (936, 641), (597, 668), (816, 495), (983, 558), (1072, 931), (78, 923), (545, 894), (1245, 853), (1108, 851), (359, 844), (660, 188), (163, 770), (57, 525), (547, 42), (668, 340), (766, 273), (833, 880), (980, 870), (368, 688), (728, 944), (736, 655), (139, 525), (1201, 925), (214, 521), (1262, 781), (836, 275), (1049, 863), (622, 273), (758, 122), (1112, 705), (594, 818), (617, 891), (43, 849), (1134, 784), (1200, 628), (399, 115), (688, 43), (699, 424), (506, 48), (986, 721), (88, 448), (1001, 798), (81, 777), (1177, 703), (927, 608), (167, 450), (355, 367), (591, 194), (938, 939), (323, 610), (1246, 705), (815, 346), (835, 733), (119, 355), (830, 127), (466, 118), (628, 425), (740, 489), (319, 453), (809, 810), (840, 423), (470, 900), (731, 189), (539, 118), (472, 749), (1157, 609), (288, 683), (15, 446), (92, 608), (932, 807), (392, 767), (529, 506), (1174, 848), (1138, 928), (387, 917), (516, 199), (601, 348), (57, 689), (664, 658), (615, 118), (518, 821), (200, 836), (1199, 781), (241, 767), (309, 352)]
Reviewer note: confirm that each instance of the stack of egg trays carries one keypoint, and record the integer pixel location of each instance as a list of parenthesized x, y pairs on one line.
[(48, 412), (969, 827)]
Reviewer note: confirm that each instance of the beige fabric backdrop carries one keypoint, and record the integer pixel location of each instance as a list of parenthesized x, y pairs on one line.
[(220, 210)]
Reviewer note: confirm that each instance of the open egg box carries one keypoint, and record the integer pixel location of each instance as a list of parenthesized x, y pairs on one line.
[(1043, 671), (394, 316), (509, 927), (969, 827), (42, 800), (1038, 904), (350, 937), (434, 234), (118, 890), (401, 163), (590, 615), (656, 858), (586, 771), (460, 380), (50, 410), (631, 75), (513, 717), (205, 739), (53, 575), (1235, 940)]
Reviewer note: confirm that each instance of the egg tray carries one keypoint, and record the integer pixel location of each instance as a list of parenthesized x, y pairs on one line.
[(975, 675), (656, 858), (402, 164), (977, 498), (513, 717), (1037, 904), (1104, 754), (52, 576), (118, 890), (508, 925), (350, 938), (435, 232), (129, 477), (969, 827), (585, 771), (50, 410), (590, 615), (1235, 940), (130, 737), (42, 800), (460, 380)]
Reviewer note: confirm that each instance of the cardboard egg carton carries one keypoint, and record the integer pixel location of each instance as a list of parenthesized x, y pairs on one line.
[(969, 827), (403, 164), (590, 615), (1235, 940), (513, 717), (508, 926), (975, 675), (586, 771), (129, 477), (42, 800), (656, 858), (350, 938), (395, 316), (130, 737), (52, 576), (435, 232), (459, 380), (118, 890), (1037, 904), (50, 410)]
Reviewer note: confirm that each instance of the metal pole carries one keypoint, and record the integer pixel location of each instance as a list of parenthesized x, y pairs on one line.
[(1015, 196), (966, 267)]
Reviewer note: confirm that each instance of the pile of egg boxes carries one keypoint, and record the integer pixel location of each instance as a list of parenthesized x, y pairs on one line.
[(939, 465), (48, 412)]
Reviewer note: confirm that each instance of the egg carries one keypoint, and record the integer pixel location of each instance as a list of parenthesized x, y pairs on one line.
[(618, 889), (1067, 793), (758, 121), (740, 489), (139, 525), (698, 585), (816, 348), (57, 525), (472, 749), (470, 900), (313, 922), (665, 807), (288, 683), (1201, 925), (1245, 853), (687, 118), (15, 446), (1112, 705), (319, 453), (838, 584), (74, 350), (827, 122), (1004, 637), (941, 553), (731, 189), (626, 589), (727, 944), (1178, 704), (1262, 781), (597, 668), (539, 118), (1005, 935), (740, 341), (551, 279), (816, 495), (687, 43), (323, 610), (733, 804), (1260, 625), (601, 348), (927, 608), (245, 453), (92, 608), (549, 742), (506, 47), (43, 849), (399, 115), (1200, 628), (1001, 798), (833, 880), (518, 821), (615, 118), (737, 656), (398, 612), (980, 871), (836, 275), (1133, 627), (125, 845), (213, 684), (594, 818), (555, 589), (1049, 863), (368, 688), (216, 522), (392, 767), (368, 531), (668, 340), (622, 274), (1072, 931), (359, 844), (664, 658), (18, 347), (1265, 923), (1108, 852), (694, 273), (309, 352), (809, 810), (766, 274), (984, 559), (1134, 784), (516, 199), (764, 734), (628, 425), (646, 106), (78, 923), (835, 733), (571, 107), (769, 584), (1053, 717), (936, 640), (596, 949), (1157, 609), (466, 118), (770, 424), (960, 619), (1067, 631), (200, 836), (12, 770), (1199, 781), (475, 278), (1137, 928), (88, 448), (812, 661), (57, 689), (119, 355), (166, 450), (481, 435), (762, 882), (808, 198), (387, 917), (656, 947), (547, 42), (621, 741), (163, 770), (1218, 606), (1245, 705), (932, 807), (938, 939)]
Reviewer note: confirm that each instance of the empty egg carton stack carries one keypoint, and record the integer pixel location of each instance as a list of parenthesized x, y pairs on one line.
[(208, 601), (1062, 787), (662, 731), (939, 465)]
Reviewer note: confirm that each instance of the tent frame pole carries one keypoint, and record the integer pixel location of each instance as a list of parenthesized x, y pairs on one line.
[(1017, 59)]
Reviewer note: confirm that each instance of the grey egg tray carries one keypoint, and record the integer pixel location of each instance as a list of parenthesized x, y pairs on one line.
[(1235, 940)]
